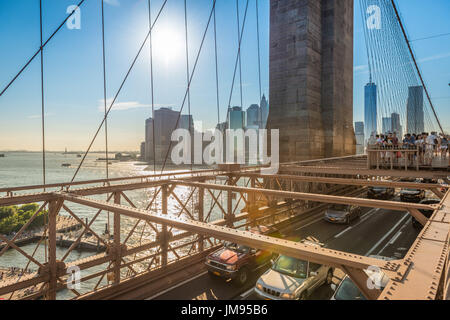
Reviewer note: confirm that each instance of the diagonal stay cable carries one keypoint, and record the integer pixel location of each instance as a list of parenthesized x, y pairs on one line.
[(118, 91), (237, 56), (40, 48), (190, 81)]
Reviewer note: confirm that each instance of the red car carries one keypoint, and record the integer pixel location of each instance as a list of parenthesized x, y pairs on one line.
[(237, 262)]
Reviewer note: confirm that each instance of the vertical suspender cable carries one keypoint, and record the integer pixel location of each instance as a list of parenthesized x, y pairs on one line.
[(42, 112), (237, 58), (217, 67), (42, 97), (104, 101), (187, 68), (259, 63), (151, 83)]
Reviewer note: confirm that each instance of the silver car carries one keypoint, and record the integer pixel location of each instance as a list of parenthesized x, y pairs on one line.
[(292, 279), (347, 289)]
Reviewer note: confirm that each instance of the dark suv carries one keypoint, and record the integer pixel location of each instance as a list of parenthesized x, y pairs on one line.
[(380, 193), (236, 262), (411, 195), (427, 213)]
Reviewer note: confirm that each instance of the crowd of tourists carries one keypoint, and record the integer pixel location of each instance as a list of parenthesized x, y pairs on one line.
[(428, 146)]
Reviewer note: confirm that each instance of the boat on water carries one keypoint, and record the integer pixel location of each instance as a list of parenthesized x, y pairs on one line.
[(66, 165), (78, 155), (2, 155)]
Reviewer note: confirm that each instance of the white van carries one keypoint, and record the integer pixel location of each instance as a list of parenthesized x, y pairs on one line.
[(292, 279)]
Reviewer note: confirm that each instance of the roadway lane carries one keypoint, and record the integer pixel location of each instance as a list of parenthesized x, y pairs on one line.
[(379, 231)]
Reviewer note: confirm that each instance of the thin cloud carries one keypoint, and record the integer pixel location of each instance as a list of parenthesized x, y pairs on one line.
[(127, 105), (360, 68), (114, 3), (38, 116), (435, 57)]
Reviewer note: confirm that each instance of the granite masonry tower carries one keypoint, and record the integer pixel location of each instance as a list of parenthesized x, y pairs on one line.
[(311, 78)]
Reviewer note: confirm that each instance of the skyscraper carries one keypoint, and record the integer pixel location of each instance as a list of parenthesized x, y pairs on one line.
[(396, 125), (264, 109), (236, 118), (370, 110), (148, 151), (253, 116), (187, 122), (414, 110), (164, 122), (387, 125), (359, 134)]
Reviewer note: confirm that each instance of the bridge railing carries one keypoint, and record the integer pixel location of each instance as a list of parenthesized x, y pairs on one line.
[(405, 156), (48, 263)]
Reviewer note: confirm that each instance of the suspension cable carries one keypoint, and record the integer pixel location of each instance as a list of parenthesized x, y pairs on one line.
[(42, 111), (40, 49), (151, 85), (239, 51), (237, 57), (190, 81), (187, 68), (118, 91), (42, 96), (104, 87), (104, 101), (259, 63), (217, 67), (416, 65)]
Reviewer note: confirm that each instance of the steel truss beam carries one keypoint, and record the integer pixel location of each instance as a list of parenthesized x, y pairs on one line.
[(364, 171), (343, 181), (390, 205), (314, 254)]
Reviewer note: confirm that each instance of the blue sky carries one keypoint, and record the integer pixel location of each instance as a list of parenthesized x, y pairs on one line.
[(73, 66)]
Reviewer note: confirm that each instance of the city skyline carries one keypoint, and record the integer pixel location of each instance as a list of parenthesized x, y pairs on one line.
[(166, 119)]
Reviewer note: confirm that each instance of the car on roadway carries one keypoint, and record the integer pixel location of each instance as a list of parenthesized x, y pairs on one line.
[(292, 279), (427, 213), (342, 213), (347, 289), (380, 193), (411, 195), (237, 262)]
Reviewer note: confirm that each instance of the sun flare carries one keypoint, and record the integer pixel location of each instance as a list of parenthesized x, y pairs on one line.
[(168, 45)]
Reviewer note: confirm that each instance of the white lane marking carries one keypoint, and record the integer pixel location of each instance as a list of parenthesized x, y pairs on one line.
[(406, 215), (367, 216), (312, 222), (341, 233), (397, 235), (246, 294), (176, 286)]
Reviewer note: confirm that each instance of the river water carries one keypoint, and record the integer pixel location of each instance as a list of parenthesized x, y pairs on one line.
[(25, 168)]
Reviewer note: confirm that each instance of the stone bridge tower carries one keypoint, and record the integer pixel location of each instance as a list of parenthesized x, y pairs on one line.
[(311, 78)]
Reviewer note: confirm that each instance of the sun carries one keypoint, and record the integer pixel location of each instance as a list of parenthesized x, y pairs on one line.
[(168, 44)]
